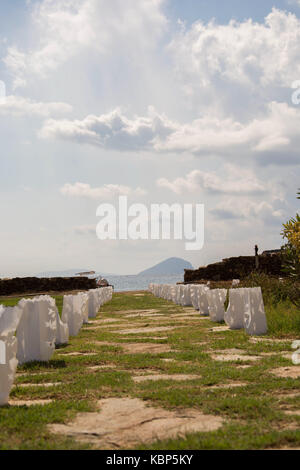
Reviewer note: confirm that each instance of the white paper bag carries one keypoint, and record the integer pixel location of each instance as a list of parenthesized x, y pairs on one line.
[(234, 316), (216, 303), (255, 321), (36, 332), (9, 321)]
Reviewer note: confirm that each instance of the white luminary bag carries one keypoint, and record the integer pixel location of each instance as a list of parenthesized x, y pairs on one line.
[(216, 303), (101, 298), (72, 313), (173, 294), (195, 296), (170, 292), (255, 321), (150, 288), (9, 320), (234, 316), (36, 332), (182, 299), (164, 292), (62, 329), (93, 310), (85, 308), (177, 297), (187, 296), (109, 291), (202, 300), (159, 290)]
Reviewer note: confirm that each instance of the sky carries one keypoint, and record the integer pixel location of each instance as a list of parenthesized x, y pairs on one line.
[(163, 101)]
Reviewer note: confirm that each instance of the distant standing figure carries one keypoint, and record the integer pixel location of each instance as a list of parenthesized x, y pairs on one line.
[(256, 257)]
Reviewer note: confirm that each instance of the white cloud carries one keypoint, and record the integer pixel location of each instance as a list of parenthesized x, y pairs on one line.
[(294, 2), (106, 192), (112, 130), (275, 132), (236, 67), (17, 105), (65, 28), (249, 210), (235, 180)]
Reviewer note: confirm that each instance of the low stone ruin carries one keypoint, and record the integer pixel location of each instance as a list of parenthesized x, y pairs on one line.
[(237, 268), (27, 285)]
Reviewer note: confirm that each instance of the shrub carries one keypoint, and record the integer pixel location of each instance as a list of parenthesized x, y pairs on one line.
[(274, 290)]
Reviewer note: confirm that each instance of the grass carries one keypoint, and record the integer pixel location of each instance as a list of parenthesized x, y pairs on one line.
[(253, 414), (283, 319)]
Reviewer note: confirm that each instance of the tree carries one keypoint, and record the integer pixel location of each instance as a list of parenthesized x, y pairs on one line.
[(291, 233), (291, 255)]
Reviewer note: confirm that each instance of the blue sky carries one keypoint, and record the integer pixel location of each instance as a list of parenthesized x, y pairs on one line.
[(167, 101), (223, 12)]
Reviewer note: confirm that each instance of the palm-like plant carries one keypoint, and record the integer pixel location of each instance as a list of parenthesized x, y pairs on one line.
[(291, 255)]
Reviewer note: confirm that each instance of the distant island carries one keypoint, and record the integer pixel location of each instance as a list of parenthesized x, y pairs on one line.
[(168, 267)]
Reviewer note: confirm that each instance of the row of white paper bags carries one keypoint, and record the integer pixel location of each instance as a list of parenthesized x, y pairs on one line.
[(245, 309), (30, 331)]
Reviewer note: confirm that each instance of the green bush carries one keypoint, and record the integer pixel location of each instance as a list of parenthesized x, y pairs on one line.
[(274, 290)]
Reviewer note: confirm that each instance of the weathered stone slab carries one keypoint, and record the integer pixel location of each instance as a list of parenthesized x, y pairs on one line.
[(126, 423), (292, 372), (134, 331), (157, 377)]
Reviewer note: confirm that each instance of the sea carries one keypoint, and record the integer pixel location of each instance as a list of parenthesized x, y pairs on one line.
[(133, 283)]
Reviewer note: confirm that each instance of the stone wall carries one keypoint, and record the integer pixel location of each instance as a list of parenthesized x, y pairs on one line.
[(21, 286), (236, 268)]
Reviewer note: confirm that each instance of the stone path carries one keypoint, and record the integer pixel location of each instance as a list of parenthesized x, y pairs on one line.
[(29, 402), (139, 348), (228, 355), (134, 331), (287, 372), (40, 385), (127, 422), (155, 378)]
